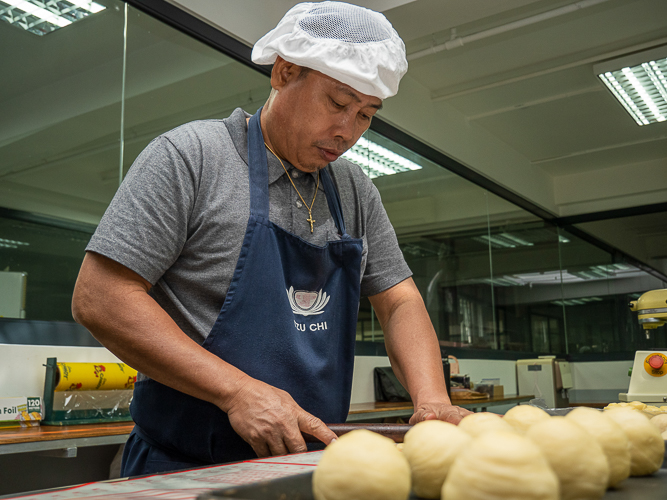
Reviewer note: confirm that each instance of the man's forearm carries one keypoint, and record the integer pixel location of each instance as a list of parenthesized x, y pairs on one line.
[(113, 304), (412, 344)]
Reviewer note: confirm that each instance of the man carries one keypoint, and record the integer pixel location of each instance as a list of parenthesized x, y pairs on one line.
[(229, 265)]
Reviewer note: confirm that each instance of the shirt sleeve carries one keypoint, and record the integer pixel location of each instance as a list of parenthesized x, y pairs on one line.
[(146, 225), (385, 264)]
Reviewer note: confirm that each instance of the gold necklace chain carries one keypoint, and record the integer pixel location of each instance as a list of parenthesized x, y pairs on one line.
[(309, 208)]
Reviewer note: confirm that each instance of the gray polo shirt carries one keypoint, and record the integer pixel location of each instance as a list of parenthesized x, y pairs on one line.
[(179, 218)]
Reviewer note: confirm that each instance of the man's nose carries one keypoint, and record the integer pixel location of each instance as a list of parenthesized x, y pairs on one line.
[(346, 127)]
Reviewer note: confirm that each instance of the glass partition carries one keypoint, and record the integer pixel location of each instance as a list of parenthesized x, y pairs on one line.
[(77, 102), (49, 258), (598, 287), (172, 79), (60, 107), (497, 278)]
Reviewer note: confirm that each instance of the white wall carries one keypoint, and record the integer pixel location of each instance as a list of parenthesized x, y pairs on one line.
[(503, 369), (22, 368), (595, 381), (22, 371), (362, 381), (625, 185), (596, 375), (599, 382)]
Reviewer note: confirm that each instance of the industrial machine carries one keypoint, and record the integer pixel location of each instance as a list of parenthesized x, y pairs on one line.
[(652, 309), (546, 377), (87, 393), (12, 294), (648, 383)]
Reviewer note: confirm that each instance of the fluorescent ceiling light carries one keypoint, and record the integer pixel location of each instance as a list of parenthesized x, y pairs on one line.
[(592, 273), (639, 83), (376, 160), (577, 302), (43, 17), (503, 240), (12, 243)]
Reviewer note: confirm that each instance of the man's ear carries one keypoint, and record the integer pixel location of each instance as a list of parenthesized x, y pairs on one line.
[(282, 73)]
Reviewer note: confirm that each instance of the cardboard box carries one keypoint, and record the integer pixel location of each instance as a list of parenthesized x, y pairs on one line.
[(498, 391), (20, 412)]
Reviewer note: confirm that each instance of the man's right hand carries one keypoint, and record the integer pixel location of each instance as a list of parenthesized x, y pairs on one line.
[(270, 421)]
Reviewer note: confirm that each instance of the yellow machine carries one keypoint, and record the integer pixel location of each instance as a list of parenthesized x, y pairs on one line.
[(648, 382), (652, 309)]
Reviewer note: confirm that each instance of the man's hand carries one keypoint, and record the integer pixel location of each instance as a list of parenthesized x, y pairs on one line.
[(270, 421), (439, 411)]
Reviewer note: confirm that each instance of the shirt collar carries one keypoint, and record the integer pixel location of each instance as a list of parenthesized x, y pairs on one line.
[(238, 130)]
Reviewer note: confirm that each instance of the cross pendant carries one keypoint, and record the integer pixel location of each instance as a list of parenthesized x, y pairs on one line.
[(311, 220)]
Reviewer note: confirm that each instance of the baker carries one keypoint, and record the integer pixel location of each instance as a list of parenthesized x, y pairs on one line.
[(228, 267)]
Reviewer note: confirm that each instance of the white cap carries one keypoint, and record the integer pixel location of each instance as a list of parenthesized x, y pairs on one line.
[(351, 44)]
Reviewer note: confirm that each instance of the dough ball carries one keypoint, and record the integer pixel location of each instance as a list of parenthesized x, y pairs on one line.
[(480, 423), (362, 465), (501, 466), (431, 448), (660, 422), (637, 405), (610, 437), (664, 436), (647, 448), (521, 417), (574, 455)]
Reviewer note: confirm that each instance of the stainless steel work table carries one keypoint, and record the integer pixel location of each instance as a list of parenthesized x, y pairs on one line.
[(379, 410)]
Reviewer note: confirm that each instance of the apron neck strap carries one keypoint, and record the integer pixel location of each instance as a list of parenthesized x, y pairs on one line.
[(259, 178), (333, 200), (258, 168)]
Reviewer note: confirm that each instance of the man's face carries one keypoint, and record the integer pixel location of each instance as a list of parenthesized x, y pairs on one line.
[(317, 118)]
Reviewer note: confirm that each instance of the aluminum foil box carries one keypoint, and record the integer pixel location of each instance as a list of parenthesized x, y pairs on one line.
[(20, 412)]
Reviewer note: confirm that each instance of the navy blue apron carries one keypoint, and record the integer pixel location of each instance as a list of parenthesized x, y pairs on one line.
[(289, 320)]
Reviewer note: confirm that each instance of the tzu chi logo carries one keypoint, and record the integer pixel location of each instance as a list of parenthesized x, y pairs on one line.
[(307, 303)]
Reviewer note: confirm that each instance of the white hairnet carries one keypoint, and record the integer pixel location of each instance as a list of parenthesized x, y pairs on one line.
[(351, 44)]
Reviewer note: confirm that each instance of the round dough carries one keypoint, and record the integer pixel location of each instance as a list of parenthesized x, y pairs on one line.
[(647, 448), (480, 423), (637, 405), (610, 437), (521, 417), (574, 455), (431, 448), (362, 465), (500, 466), (660, 422)]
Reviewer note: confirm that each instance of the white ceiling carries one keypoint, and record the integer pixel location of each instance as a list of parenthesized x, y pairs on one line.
[(526, 98), (534, 87)]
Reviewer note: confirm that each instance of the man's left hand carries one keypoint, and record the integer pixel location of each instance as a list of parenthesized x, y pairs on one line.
[(439, 411)]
